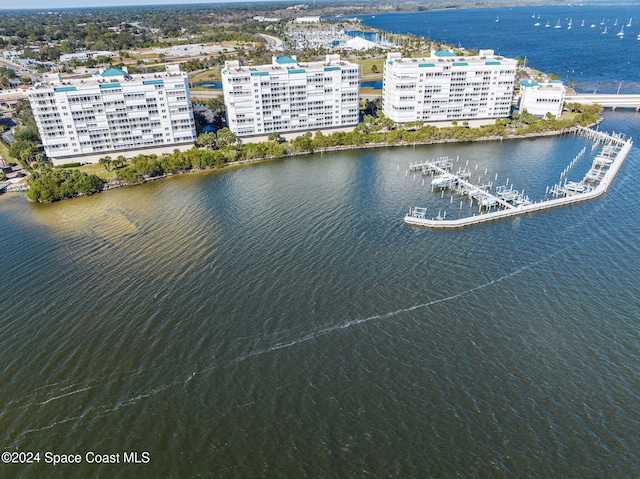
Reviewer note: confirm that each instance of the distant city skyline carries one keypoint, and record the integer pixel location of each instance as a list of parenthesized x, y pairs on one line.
[(59, 4)]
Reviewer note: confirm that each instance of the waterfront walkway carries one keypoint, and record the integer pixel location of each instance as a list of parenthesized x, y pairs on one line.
[(622, 147)]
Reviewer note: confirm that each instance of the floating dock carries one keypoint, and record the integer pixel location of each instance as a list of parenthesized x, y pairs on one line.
[(595, 183)]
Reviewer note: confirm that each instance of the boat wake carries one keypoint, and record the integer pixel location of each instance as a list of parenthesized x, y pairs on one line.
[(331, 329), (48, 394)]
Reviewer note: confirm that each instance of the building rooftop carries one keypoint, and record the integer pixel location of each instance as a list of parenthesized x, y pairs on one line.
[(110, 78), (285, 59), (113, 72), (552, 85), (445, 53), (444, 57), (331, 62)]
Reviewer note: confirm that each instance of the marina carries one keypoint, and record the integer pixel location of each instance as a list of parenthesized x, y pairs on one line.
[(507, 202), (275, 320)]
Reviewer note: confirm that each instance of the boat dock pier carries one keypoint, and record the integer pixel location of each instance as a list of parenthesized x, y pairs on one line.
[(458, 183), (615, 149)]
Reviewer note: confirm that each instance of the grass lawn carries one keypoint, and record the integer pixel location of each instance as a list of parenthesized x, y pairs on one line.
[(98, 170), (370, 91), (209, 75), (4, 152), (367, 63)]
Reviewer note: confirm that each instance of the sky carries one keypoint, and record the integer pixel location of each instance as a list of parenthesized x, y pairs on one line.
[(53, 4)]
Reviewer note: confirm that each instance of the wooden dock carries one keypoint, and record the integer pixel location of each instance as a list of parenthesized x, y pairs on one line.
[(612, 144)]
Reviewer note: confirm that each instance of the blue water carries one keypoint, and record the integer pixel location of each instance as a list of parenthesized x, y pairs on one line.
[(278, 320), (371, 36), (214, 85), (372, 84), (594, 61)]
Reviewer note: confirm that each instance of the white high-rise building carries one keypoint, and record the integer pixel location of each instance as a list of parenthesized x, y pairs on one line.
[(446, 87), (542, 98), (291, 96), (113, 113)]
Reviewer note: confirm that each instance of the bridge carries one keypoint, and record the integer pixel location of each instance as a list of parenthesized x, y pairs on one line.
[(612, 101)]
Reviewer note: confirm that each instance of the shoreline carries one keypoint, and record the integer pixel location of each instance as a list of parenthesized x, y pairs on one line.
[(112, 185)]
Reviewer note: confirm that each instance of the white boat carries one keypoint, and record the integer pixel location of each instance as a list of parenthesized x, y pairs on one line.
[(558, 25), (497, 19), (615, 24), (523, 201), (621, 32), (574, 188), (537, 24), (602, 22), (488, 202), (443, 181), (639, 36), (593, 25), (474, 193), (570, 24), (547, 25), (604, 32), (582, 24), (629, 24)]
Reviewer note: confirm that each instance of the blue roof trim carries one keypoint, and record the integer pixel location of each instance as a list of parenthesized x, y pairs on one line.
[(331, 69), (65, 88), (389, 62), (528, 83), (153, 82), (460, 64), (259, 74), (282, 60), (113, 72), (445, 53), (427, 65), (110, 85), (492, 63), (555, 81), (297, 71)]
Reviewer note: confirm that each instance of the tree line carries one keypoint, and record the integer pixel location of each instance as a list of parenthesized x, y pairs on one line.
[(217, 150)]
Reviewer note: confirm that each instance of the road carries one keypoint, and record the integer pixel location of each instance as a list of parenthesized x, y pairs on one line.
[(273, 43)]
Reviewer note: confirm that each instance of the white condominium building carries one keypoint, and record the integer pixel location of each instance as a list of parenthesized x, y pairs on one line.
[(113, 113), (542, 98), (290, 96), (446, 87)]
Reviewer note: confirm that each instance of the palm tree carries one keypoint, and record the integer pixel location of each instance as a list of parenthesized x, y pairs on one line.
[(106, 162)]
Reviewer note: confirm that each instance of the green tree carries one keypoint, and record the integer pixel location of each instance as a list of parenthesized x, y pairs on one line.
[(106, 162), (225, 137), (206, 139), (119, 161), (47, 184), (303, 142)]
